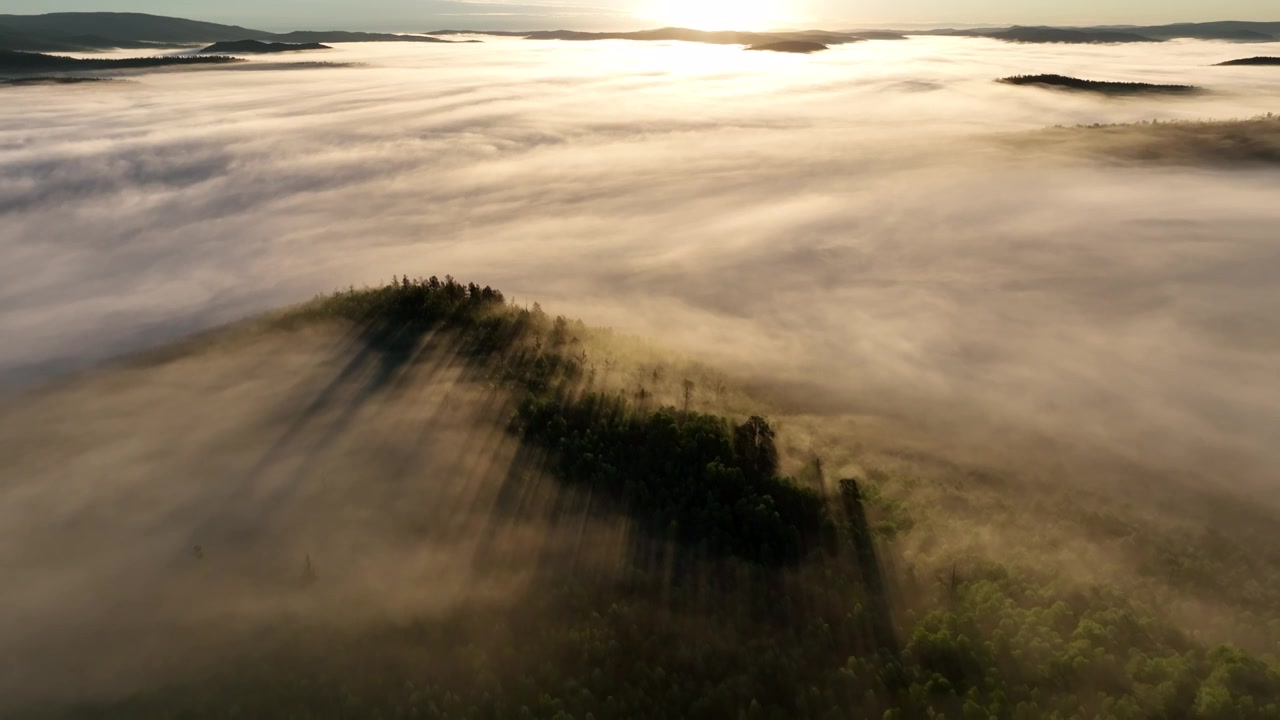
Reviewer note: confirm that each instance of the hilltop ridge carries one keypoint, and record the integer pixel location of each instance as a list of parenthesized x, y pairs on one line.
[(90, 31)]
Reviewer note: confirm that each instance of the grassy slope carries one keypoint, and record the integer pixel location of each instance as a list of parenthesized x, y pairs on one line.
[(1013, 596)]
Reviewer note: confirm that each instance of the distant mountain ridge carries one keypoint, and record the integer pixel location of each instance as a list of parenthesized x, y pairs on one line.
[(1067, 35), (27, 62), (257, 47), (132, 27), (1234, 31), (1230, 30), (1224, 30), (1063, 82), (1262, 60), (790, 46), (90, 31)]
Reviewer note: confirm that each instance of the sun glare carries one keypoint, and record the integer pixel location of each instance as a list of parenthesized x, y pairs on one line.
[(716, 14)]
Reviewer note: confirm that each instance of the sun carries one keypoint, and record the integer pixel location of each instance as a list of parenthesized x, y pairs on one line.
[(716, 14)]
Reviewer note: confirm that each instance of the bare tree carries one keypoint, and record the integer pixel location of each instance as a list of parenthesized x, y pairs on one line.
[(609, 364)]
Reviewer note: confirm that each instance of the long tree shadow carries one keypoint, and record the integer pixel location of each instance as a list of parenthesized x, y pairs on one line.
[(384, 344), (699, 507)]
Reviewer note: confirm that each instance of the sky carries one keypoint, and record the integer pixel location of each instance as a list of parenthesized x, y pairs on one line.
[(629, 14)]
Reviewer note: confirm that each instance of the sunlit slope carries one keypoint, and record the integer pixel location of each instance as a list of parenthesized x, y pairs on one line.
[(422, 500)]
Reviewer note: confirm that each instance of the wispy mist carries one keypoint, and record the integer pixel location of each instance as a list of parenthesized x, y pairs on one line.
[(851, 218)]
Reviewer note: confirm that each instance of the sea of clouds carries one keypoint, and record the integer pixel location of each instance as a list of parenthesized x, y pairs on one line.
[(879, 226), (849, 218)]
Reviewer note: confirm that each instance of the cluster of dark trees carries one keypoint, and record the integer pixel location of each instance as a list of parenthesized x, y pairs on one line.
[(1259, 60), (257, 47), (93, 31), (693, 477), (1235, 31), (789, 46), (37, 62), (1105, 88), (41, 80), (1070, 36)]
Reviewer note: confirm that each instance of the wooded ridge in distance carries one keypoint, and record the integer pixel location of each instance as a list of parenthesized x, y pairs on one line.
[(38, 62), (256, 47), (86, 31), (1105, 88), (1261, 60)]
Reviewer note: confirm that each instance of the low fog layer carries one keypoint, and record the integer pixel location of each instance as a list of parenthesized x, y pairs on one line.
[(848, 218), (202, 508)]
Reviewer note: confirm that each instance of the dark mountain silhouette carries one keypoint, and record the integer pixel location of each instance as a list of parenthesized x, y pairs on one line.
[(790, 46), (11, 39), (1231, 30), (256, 47), (12, 61), (1064, 35), (1261, 60), (95, 42), (135, 27), (87, 31), (836, 38), (1106, 88), (83, 32)]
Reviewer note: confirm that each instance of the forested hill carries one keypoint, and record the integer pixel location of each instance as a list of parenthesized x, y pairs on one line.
[(1260, 60), (81, 31), (1232, 31), (127, 27), (38, 62), (68, 32), (714, 559), (256, 47), (1101, 87)]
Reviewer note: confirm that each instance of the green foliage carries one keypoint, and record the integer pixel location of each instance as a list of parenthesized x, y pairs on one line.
[(686, 474)]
